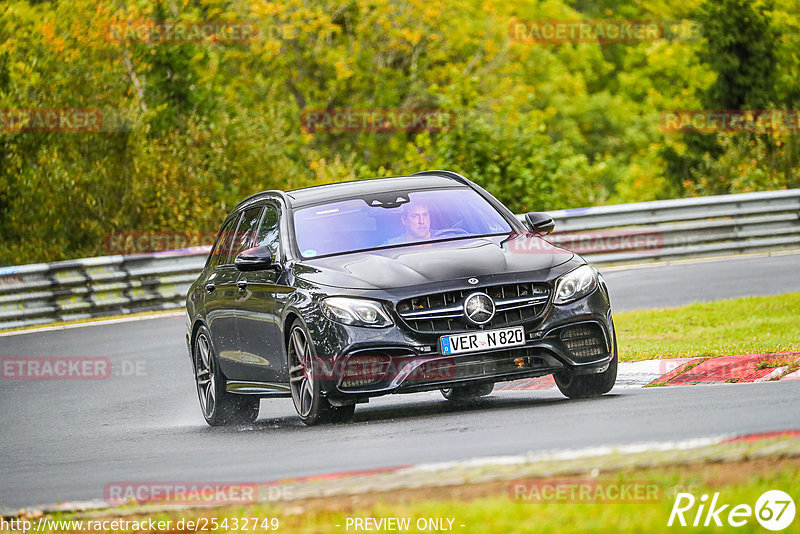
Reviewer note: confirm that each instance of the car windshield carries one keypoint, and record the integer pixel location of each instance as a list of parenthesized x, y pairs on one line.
[(392, 219)]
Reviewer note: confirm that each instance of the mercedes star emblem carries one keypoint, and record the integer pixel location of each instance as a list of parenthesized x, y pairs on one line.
[(479, 308)]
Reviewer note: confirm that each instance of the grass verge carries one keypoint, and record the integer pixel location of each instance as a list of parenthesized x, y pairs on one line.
[(500, 506), (751, 325)]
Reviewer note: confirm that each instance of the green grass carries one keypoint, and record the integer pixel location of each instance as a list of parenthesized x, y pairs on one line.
[(502, 514), (492, 508), (752, 325)]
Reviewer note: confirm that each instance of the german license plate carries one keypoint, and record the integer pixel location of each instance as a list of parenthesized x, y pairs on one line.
[(483, 340)]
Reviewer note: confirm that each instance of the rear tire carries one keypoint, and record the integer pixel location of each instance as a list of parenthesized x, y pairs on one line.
[(584, 386), (219, 407), (467, 392)]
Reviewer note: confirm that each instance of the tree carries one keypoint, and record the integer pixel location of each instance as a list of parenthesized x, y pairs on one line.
[(739, 48)]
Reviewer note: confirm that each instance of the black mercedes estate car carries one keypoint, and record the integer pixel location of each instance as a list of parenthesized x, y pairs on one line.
[(337, 293)]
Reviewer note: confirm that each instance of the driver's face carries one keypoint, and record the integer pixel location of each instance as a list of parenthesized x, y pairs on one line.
[(417, 221)]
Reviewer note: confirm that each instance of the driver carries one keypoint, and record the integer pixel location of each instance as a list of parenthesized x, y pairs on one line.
[(416, 221)]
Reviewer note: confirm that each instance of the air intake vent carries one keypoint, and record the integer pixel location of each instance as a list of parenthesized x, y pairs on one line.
[(585, 341)]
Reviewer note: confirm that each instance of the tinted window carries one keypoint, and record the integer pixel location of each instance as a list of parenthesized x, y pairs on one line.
[(396, 219), (245, 235), (269, 233), (223, 245)]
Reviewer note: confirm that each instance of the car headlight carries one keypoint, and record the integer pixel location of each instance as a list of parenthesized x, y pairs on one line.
[(576, 284), (356, 312)]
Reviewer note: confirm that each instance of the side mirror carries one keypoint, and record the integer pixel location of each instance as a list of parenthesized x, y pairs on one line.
[(539, 222), (255, 259)]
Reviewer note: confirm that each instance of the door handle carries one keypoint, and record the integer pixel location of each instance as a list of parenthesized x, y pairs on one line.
[(210, 287), (242, 285)]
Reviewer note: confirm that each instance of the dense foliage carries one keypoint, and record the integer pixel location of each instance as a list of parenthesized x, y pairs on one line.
[(191, 128)]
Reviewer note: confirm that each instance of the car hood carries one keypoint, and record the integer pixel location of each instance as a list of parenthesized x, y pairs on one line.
[(412, 265)]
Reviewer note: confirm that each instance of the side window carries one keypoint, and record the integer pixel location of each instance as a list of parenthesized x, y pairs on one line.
[(223, 246), (246, 232), (269, 233)]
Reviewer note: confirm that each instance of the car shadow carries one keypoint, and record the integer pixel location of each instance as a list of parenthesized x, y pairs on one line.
[(427, 408), (423, 409)]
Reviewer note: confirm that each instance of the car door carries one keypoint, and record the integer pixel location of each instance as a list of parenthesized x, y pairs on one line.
[(220, 294), (228, 294), (258, 318)]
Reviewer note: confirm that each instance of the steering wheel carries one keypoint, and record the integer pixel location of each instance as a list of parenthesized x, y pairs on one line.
[(449, 231)]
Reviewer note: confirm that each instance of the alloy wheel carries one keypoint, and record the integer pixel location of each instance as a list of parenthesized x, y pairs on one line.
[(301, 372), (205, 376)]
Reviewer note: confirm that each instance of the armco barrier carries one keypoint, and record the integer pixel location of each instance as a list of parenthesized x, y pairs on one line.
[(684, 228), (627, 233), (92, 287)]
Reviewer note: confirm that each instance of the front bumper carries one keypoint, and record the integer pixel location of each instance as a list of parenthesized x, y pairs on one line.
[(363, 362)]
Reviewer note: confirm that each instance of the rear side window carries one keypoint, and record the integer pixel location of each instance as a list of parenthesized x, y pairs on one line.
[(246, 233), (222, 248)]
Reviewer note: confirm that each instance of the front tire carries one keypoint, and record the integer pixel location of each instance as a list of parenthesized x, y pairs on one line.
[(219, 407), (584, 386), (311, 406), (468, 392)]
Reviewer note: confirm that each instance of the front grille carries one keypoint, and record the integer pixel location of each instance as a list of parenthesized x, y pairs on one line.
[(444, 312), (584, 340)]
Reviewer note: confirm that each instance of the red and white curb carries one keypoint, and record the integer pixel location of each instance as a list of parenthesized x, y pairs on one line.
[(571, 454), (742, 369)]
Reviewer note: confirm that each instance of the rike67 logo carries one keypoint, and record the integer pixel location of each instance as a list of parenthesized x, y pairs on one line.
[(774, 510)]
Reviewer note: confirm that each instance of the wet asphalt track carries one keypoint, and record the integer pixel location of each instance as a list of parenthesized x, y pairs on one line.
[(65, 440)]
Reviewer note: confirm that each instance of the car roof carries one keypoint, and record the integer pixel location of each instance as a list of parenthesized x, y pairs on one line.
[(342, 190), (331, 192)]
